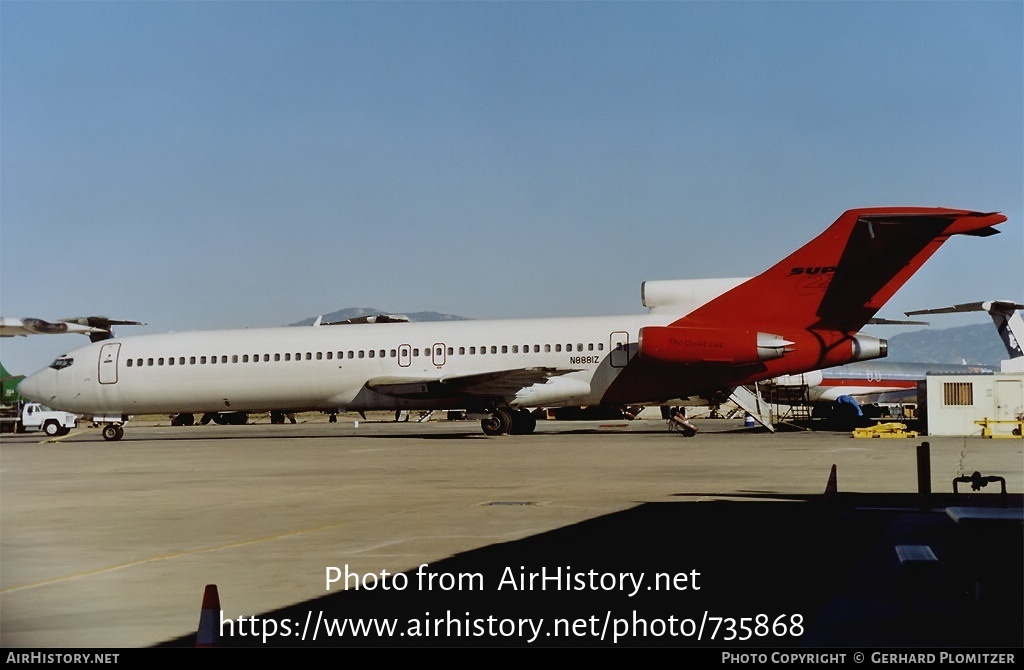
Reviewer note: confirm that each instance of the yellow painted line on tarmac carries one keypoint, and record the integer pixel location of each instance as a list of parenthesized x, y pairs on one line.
[(166, 557), (59, 438)]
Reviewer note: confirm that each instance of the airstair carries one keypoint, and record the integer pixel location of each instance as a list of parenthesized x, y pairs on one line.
[(753, 404)]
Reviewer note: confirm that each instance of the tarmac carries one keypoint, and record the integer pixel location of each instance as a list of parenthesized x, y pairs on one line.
[(586, 533)]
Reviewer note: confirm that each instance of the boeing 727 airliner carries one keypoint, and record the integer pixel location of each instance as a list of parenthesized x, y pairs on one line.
[(699, 337)]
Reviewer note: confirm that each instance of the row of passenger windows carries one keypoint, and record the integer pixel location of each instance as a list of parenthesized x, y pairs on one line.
[(436, 351)]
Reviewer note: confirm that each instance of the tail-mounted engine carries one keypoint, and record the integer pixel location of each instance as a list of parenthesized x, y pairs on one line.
[(677, 345), (672, 345)]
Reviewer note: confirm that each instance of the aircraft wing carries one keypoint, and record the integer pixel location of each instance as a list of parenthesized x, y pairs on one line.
[(100, 322), (501, 384), (11, 327), (96, 327), (878, 321), (102, 327)]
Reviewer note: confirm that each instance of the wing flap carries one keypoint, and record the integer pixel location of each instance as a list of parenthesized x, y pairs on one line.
[(498, 384)]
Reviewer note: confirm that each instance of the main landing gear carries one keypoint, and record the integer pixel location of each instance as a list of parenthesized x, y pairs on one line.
[(511, 421), (112, 432)]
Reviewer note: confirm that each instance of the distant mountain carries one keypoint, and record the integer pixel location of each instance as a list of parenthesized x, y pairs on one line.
[(356, 312), (978, 343)]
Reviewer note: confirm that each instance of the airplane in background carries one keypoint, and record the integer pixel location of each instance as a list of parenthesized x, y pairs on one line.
[(9, 387), (871, 382), (1007, 320), (96, 327), (701, 336)]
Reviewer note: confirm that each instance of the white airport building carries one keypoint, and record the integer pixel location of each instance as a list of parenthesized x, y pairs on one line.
[(982, 404)]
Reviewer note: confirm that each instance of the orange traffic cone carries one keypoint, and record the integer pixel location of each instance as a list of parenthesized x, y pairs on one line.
[(831, 488), (209, 619)]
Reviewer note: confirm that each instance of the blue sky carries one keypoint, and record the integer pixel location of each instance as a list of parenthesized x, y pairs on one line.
[(203, 165)]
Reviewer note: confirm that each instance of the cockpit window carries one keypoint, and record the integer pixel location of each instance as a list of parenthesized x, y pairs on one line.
[(61, 363)]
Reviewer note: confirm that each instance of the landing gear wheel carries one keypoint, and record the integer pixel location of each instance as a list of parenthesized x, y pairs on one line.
[(523, 422), (112, 433), (498, 423), (184, 419)]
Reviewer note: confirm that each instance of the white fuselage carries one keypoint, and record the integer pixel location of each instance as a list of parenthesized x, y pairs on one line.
[(334, 367)]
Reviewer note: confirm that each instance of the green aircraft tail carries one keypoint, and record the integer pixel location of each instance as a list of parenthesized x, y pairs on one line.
[(9, 386)]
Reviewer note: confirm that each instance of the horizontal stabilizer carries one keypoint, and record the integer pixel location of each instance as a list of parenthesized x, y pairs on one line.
[(840, 279), (877, 321)]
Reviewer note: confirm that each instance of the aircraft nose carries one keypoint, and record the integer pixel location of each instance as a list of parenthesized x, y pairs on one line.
[(38, 387)]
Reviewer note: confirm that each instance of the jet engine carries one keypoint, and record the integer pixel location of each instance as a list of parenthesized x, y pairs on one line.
[(673, 345), (44, 327)]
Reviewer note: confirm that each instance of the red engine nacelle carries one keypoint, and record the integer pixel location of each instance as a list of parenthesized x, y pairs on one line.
[(673, 345)]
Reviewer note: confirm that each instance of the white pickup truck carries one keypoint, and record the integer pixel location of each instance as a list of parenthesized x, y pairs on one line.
[(33, 416)]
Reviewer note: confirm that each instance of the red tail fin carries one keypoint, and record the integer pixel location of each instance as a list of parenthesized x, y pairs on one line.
[(840, 279)]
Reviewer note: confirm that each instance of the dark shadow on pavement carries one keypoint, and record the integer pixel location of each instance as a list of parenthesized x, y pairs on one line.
[(808, 572)]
